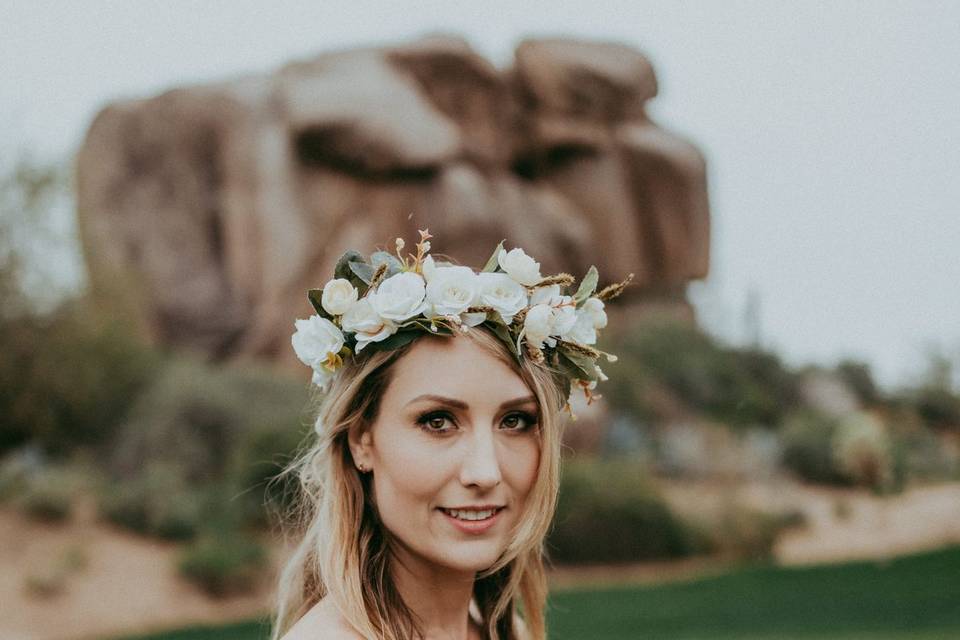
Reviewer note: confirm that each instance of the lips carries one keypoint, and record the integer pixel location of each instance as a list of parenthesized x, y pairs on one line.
[(472, 519), (471, 514)]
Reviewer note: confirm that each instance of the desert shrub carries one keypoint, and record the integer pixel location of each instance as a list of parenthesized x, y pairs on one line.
[(609, 511), (46, 498), (858, 378), (216, 435), (47, 489), (735, 386), (67, 377), (158, 502), (747, 534), (261, 455), (808, 447), (223, 563), (917, 451), (938, 406), (862, 451), (196, 417)]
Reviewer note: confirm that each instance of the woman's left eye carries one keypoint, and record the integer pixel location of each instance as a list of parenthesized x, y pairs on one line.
[(519, 421)]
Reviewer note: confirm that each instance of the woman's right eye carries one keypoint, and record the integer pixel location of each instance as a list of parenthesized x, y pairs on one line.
[(436, 422)]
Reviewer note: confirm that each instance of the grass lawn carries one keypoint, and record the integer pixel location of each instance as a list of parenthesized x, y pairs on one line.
[(915, 597)]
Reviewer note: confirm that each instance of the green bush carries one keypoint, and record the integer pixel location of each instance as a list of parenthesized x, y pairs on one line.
[(610, 512), (46, 490), (157, 503), (747, 534), (808, 448), (66, 378), (664, 366), (201, 442), (938, 406), (223, 564), (47, 497)]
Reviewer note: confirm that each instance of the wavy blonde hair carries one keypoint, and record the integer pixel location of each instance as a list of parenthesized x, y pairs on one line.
[(344, 552)]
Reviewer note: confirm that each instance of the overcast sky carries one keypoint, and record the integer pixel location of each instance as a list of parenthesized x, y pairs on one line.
[(832, 130)]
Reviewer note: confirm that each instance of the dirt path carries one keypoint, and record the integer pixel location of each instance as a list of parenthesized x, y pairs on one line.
[(112, 582), (841, 524), (119, 582)]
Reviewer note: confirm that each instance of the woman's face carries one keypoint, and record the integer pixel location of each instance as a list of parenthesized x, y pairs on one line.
[(454, 452)]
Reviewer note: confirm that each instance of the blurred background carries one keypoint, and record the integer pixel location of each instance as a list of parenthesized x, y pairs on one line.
[(777, 452)]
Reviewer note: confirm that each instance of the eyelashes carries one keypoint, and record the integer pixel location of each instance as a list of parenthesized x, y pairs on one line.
[(441, 422)]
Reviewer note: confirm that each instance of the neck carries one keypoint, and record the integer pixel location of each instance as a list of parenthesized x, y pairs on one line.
[(439, 597)]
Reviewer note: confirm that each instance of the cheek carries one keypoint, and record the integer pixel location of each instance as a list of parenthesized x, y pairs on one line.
[(520, 461), (407, 475)]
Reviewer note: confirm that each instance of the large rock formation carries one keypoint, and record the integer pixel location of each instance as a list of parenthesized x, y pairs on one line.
[(206, 212)]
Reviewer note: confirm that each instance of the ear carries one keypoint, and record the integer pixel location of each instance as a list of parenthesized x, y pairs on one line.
[(361, 448)]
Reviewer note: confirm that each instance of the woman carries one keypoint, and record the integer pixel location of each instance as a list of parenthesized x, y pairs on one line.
[(430, 487)]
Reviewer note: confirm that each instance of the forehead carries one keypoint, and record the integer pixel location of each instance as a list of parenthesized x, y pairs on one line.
[(455, 367)]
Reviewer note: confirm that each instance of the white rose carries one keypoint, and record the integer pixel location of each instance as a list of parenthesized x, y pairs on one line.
[(583, 330), (503, 293), (520, 266), (315, 339), (564, 315), (545, 295), (363, 320), (399, 297), (451, 290), (538, 324), (427, 268), (594, 308), (338, 295)]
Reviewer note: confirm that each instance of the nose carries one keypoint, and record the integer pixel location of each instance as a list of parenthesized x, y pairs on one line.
[(481, 465)]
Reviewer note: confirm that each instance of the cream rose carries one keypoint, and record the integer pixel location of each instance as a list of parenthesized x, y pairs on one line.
[(338, 296), (363, 320), (593, 307), (538, 324), (545, 295), (564, 315), (583, 330), (315, 339), (520, 266), (503, 293), (451, 290), (399, 297)]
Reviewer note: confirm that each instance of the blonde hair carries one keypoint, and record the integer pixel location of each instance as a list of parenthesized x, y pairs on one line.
[(344, 552)]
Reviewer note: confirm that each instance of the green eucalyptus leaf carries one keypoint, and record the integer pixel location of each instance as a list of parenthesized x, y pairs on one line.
[(344, 270), (397, 340), (363, 271), (382, 257), (587, 286), (493, 262), (584, 365), (501, 331)]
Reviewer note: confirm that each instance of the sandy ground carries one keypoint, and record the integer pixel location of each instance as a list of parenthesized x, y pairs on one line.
[(124, 582), (112, 582), (840, 524)]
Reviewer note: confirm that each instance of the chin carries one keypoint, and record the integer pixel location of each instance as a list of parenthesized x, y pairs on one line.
[(471, 556)]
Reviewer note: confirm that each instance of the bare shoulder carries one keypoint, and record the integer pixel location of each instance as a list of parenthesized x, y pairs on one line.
[(322, 622)]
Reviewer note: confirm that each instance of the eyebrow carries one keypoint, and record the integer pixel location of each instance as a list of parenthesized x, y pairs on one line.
[(458, 404)]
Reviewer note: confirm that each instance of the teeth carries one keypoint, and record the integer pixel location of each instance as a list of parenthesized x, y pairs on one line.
[(470, 515)]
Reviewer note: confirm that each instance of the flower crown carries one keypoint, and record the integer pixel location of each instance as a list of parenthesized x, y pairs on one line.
[(387, 301)]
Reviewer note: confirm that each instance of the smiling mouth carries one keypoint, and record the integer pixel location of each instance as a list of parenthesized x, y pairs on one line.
[(472, 515)]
